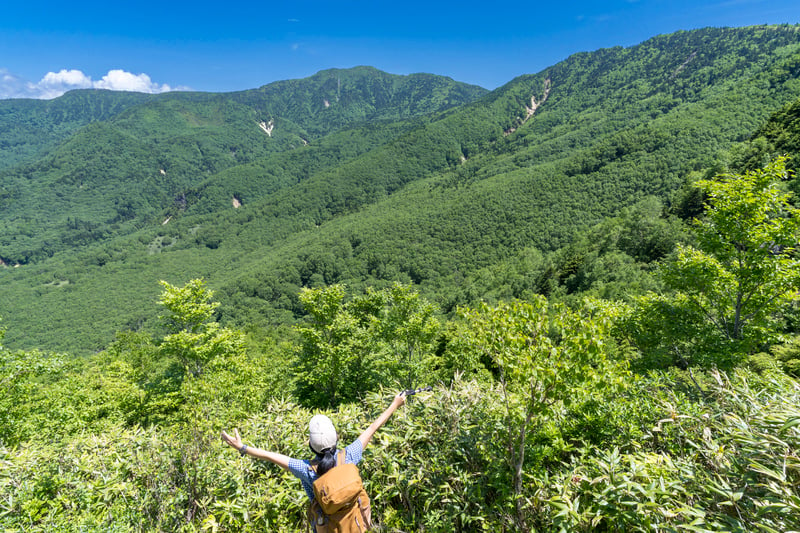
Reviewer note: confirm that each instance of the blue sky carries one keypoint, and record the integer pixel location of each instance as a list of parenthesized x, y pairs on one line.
[(152, 46)]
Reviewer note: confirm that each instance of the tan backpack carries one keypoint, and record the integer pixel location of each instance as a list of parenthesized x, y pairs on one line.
[(340, 503)]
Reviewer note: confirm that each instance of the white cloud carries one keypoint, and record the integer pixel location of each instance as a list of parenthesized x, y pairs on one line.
[(74, 78), (54, 84), (119, 80)]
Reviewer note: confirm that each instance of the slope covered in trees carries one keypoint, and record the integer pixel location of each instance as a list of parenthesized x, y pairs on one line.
[(30, 128), (432, 200), (537, 421), (124, 165)]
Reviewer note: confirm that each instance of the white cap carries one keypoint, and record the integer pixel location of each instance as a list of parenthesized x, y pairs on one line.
[(321, 433)]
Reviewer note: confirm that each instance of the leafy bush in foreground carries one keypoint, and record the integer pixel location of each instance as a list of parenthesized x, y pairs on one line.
[(728, 461), (728, 464)]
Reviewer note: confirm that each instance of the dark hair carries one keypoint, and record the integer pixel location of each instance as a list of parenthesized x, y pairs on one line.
[(326, 459)]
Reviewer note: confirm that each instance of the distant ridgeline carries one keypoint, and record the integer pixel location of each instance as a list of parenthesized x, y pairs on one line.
[(362, 177)]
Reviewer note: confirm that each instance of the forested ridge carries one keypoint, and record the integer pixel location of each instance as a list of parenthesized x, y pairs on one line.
[(595, 267)]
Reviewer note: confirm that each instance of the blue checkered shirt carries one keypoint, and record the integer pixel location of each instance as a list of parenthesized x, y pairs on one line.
[(302, 468)]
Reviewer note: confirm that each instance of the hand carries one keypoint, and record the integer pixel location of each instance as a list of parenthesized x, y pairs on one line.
[(233, 442), (400, 399)]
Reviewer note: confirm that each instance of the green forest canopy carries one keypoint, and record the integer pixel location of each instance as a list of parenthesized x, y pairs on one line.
[(434, 193)]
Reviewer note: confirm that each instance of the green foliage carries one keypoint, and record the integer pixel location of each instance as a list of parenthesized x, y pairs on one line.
[(727, 465), (730, 289), (541, 355), (30, 128), (195, 341), (20, 372), (762, 363), (669, 331), (406, 179), (780, 135), (189, 306), (751, 231), (381, 337), (437, 469), (408, 325), (334, 361), (107, 163), (410, 190), (724, 463), (788, 355)]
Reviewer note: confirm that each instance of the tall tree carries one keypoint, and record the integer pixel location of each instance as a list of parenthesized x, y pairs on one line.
[(195, 339), (541, 353), (728, 290), (381, 336)]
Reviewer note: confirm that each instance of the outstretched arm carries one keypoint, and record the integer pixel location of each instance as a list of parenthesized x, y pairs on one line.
[(235, 441), (366, 436)]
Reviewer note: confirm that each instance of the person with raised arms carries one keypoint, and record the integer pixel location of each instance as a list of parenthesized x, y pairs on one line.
[(323, 441)]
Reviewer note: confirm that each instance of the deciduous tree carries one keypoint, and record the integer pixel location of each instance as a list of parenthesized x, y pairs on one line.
[(381, 336), (728, 291), (196, 339), (541, 352)]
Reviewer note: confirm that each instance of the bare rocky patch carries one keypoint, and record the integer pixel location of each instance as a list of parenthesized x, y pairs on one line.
[(530, 111), (267, 127)]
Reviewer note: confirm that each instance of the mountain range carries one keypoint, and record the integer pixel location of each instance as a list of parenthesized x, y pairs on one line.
[(361, 177)]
